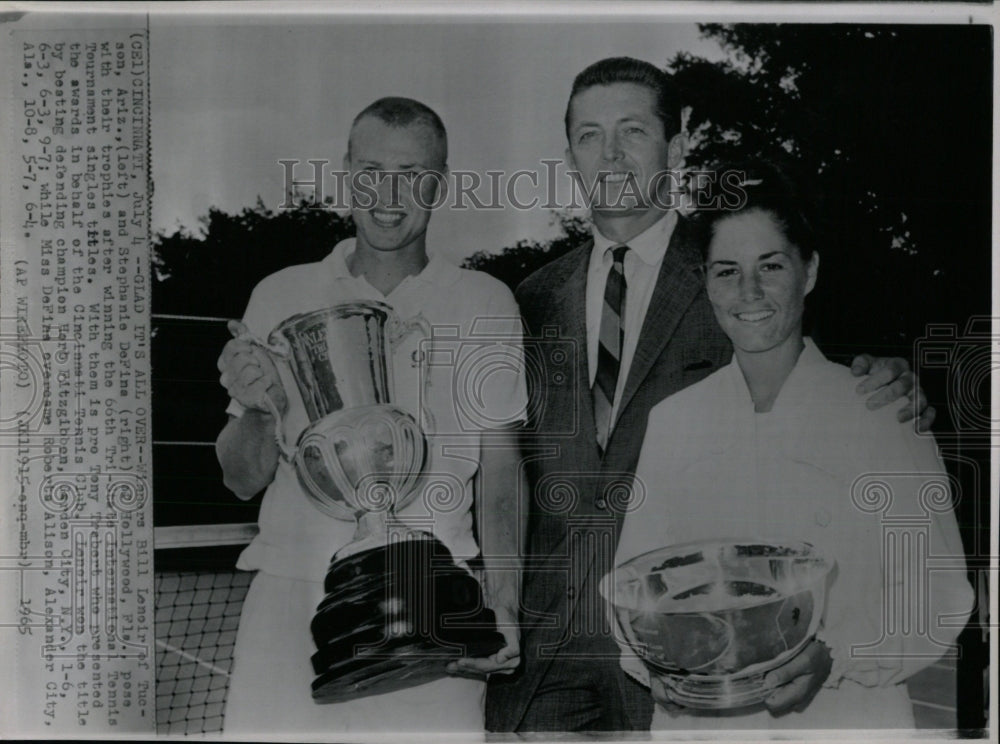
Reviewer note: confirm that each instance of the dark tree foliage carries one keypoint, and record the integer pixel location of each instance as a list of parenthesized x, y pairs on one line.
[(889, 129), (212, 274), (514, 263)]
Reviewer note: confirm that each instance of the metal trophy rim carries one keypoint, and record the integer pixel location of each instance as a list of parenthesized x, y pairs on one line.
[(714, 691), (738, 691), (341, 309), (606, 586)]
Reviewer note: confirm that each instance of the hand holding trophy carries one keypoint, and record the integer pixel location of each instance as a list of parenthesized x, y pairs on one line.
[(382, 625), (248, 374)]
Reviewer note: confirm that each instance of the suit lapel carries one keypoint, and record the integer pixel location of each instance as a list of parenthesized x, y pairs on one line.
[(574, 307), (676, 286), (569, 313)]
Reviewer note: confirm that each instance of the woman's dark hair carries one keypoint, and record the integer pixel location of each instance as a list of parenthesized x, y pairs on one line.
[(764, 186)]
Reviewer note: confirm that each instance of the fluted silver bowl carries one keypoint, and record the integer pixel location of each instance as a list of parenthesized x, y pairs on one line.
[(712, 617)]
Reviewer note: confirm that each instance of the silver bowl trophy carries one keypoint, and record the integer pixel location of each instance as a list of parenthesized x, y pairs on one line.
[(711, 618), (397, 607)]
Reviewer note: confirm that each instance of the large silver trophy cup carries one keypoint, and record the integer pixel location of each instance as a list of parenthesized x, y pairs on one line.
[(383, 623), (361, 455), (711, 618)]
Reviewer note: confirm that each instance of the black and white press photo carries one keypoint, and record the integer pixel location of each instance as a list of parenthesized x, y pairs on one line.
[(490, 376)]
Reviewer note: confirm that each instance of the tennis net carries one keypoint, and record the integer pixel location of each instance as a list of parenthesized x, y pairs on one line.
[(199, 596)]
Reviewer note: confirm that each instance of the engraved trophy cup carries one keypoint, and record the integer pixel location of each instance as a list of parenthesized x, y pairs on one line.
[(711, 618), (360, 456), (382, 624)]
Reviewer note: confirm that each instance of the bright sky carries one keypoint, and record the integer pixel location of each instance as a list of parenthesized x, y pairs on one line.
[(230, 101)]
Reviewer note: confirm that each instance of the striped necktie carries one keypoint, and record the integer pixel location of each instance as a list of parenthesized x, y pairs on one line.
[(609, 346)]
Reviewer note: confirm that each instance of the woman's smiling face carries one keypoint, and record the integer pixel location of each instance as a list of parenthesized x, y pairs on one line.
[(757, 281)]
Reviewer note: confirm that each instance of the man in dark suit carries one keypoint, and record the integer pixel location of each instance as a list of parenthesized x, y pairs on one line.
[(632, 305)]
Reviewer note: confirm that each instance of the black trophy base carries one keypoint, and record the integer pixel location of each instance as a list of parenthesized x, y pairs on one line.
[(395, 617)]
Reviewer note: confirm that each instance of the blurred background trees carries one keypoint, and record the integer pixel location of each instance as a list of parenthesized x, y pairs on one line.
[(889, 129), (213, 273)]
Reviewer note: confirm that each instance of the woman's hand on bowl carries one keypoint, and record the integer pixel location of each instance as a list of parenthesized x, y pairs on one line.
[(796, 682), (659, 690)]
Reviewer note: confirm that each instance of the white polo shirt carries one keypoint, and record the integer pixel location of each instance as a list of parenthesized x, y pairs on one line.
[(476, 382)]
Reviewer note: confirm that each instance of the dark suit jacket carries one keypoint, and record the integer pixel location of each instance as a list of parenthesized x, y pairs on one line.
[(577, 507)]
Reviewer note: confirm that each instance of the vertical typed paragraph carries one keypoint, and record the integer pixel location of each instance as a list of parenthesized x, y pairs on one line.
[(76, 571)]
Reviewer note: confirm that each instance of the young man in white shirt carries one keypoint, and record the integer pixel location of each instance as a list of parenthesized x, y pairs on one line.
[(397, 157)]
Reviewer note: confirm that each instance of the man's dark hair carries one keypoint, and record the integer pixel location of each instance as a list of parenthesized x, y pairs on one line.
[(403, 112), (628, 70)]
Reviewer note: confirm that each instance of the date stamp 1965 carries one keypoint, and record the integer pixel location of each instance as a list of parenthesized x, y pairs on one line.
[(76, 576)]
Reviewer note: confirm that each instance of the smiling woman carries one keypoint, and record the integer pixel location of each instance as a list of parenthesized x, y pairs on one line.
[(777, 445), (757, 281), (760, 263)]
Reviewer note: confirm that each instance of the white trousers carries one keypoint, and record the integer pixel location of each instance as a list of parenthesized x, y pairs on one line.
[(270, 692)]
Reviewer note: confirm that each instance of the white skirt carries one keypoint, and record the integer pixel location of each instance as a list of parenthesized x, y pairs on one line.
[(270, 686)]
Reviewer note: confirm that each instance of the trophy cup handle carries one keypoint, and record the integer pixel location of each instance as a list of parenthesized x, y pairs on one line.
[(279, 350), (398, 329)]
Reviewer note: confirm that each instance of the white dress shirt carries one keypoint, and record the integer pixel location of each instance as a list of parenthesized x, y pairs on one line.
[(642, 267)]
